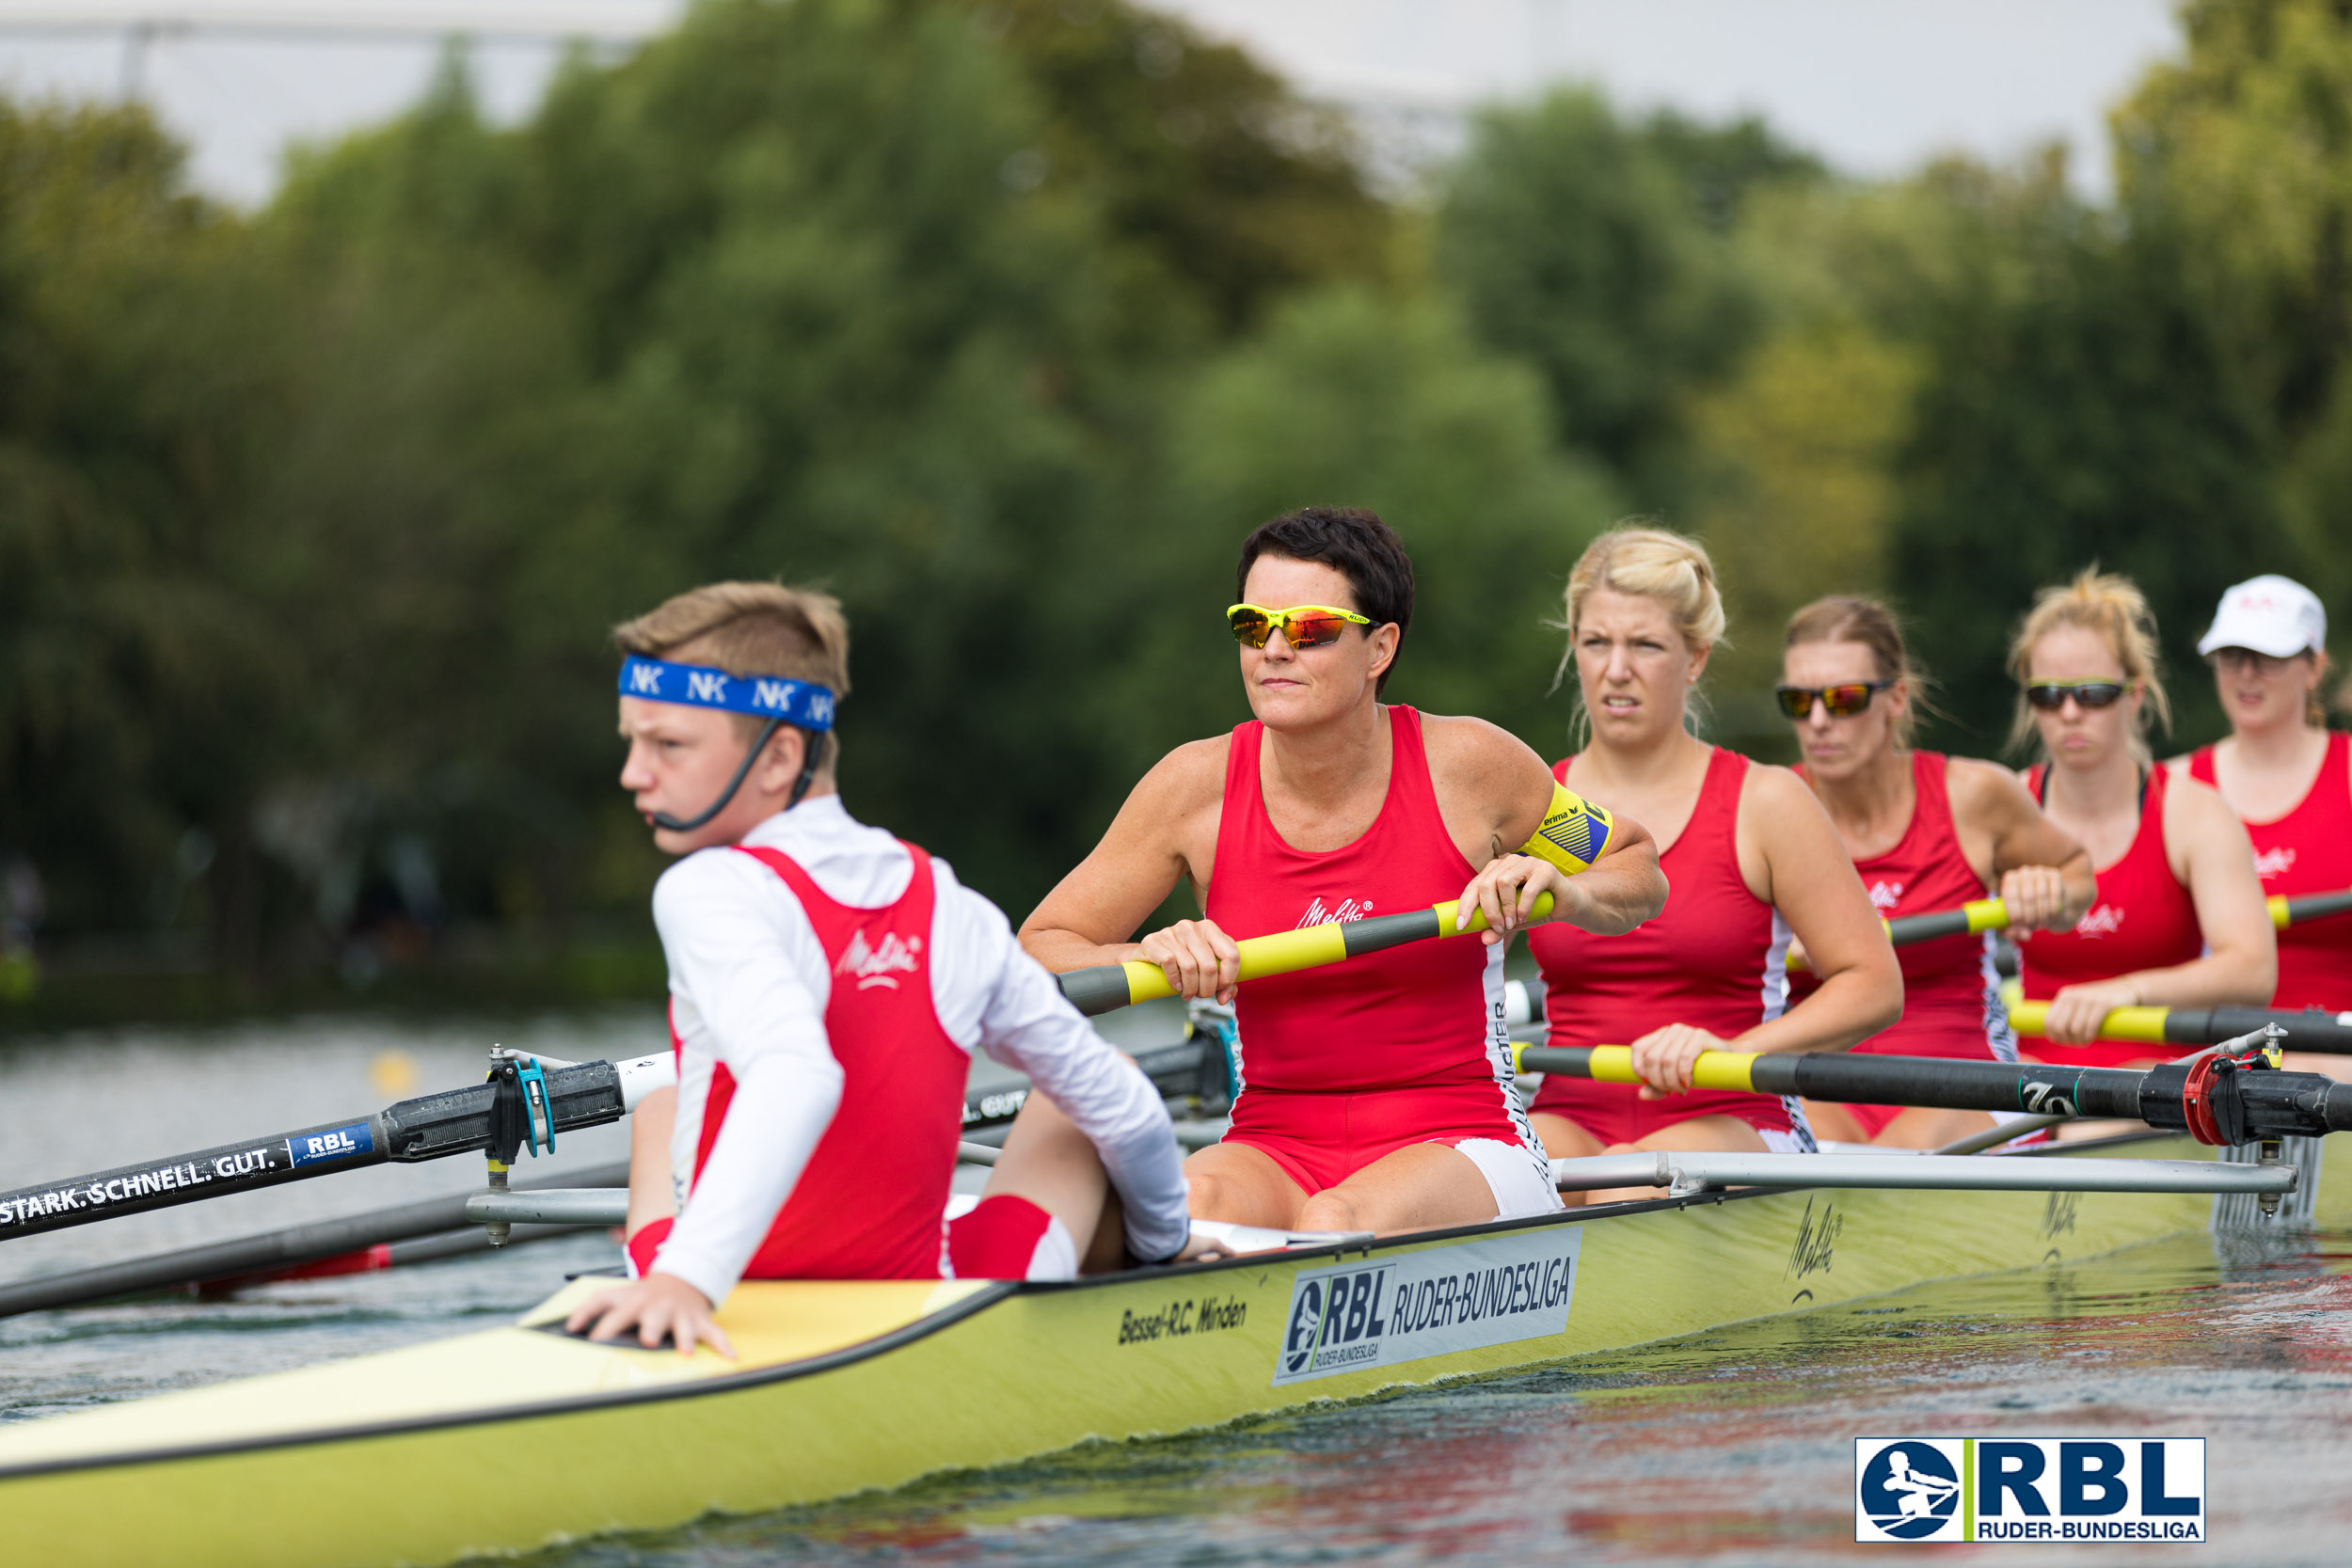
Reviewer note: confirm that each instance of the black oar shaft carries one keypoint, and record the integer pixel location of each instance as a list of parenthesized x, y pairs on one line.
[(275, 1249), (2252, 1103), (431, 1127), (1911, 928)]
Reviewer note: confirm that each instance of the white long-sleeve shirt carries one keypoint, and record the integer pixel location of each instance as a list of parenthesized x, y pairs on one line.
[(749, 986)]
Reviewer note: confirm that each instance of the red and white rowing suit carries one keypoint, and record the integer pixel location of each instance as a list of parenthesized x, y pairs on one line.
[(2307, 850), (2143, 918), (1344, 1063), (1716, 958), (828, 984), (1951, 992)]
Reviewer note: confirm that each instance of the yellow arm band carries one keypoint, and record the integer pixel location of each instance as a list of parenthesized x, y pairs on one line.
[(1574, 834)]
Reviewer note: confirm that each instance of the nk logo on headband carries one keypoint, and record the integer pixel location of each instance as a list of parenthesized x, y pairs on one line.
[(2040, 1489)]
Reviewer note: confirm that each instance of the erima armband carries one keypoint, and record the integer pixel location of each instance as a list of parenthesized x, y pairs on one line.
[(1574, 834)]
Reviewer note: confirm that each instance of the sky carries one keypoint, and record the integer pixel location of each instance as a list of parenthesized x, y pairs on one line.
[(1877, 86)]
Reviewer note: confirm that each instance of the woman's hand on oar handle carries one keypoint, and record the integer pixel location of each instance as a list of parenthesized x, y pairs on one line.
[(1507, 891), (2035, 899), (2077, 1012), (1664, 1059), (1199, 959)]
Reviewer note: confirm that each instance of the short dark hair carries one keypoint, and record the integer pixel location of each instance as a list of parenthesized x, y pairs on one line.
[(1355, 542)]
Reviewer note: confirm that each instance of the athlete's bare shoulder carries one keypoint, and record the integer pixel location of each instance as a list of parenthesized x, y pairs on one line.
[(1191, 774), (1492, 788), (1469, 753), (1977, 788)]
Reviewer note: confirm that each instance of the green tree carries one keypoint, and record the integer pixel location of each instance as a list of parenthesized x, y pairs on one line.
[(2084, 417), (1600, 250)]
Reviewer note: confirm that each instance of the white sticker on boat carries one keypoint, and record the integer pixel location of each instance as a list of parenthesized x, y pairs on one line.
[(1354, 1317)]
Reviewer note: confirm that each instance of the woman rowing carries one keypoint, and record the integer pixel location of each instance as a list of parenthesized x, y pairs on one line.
[(2179, 920), (1750, 855), (1378, 1092), (2285, 775), (1928, 832)]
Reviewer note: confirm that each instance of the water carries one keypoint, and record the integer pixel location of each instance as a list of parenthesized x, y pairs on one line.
[(1733, 1446)]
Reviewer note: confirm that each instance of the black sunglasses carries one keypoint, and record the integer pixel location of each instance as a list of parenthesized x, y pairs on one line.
[(1843, 700), (2050, 696)]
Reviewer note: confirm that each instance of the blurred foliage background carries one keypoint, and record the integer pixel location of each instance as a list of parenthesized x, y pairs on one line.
[(1006, 320)]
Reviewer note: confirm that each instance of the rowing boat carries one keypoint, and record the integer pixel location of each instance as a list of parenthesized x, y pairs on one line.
[(521, 1436)]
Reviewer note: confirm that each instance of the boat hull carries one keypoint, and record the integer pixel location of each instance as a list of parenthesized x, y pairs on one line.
[(518, 1437)]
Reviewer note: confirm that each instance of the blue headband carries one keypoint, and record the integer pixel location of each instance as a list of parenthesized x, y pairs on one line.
[(802, 705)]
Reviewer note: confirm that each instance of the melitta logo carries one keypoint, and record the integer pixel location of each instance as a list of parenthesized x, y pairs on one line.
[(1317, 914), (1886, 896), (2029, 1489), (2104, 919), (880, 965), (1354, 1317), (2275, 861)]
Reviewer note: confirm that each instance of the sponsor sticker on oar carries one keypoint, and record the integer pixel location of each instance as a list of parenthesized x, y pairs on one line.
[(2037, 1489)]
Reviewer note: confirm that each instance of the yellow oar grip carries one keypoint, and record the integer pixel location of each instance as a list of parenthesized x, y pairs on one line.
[(1574, 833), (1447, 911), (1986, 914), (1714, 1070), (1287, 952), (1278, 954), (2278, 915), (2142, 1025)]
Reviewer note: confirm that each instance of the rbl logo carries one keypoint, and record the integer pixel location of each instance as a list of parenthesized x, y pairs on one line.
[(2029, 1489)]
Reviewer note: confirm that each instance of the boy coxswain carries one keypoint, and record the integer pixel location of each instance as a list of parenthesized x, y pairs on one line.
[(1751, 856), (1379, 1093), (828, 984)]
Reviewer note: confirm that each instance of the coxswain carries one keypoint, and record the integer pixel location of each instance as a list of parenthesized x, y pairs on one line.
[(1379, 1093), (1752, 859), (2178, 919), (828, 984), (2286, 776), (1928, 832)]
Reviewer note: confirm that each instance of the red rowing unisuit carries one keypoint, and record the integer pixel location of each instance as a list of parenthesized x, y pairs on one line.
[(1951, 992), (868, 1203), (1349, 1062), (1715, 958), (2307, 850), (2141, 918)]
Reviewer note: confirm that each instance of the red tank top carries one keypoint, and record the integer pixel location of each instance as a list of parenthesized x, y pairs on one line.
[(1430, 1013), (869, 1202), (1715, 957), (1951, 992), (2143, 918), (2307, 850)]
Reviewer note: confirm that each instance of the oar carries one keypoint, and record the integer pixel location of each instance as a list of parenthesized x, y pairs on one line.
[(2287, 912), (2326, 1034), (517, 1105), (271, 1252), (2215, 1098), (1985, 914), (1107, 987)]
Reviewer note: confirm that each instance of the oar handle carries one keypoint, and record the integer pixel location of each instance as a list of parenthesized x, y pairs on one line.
[(2287, 912), (1985, 914), (2242, 1105), (1107, 987)]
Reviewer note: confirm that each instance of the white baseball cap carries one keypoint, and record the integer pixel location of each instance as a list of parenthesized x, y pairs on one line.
[(2270, 614)]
